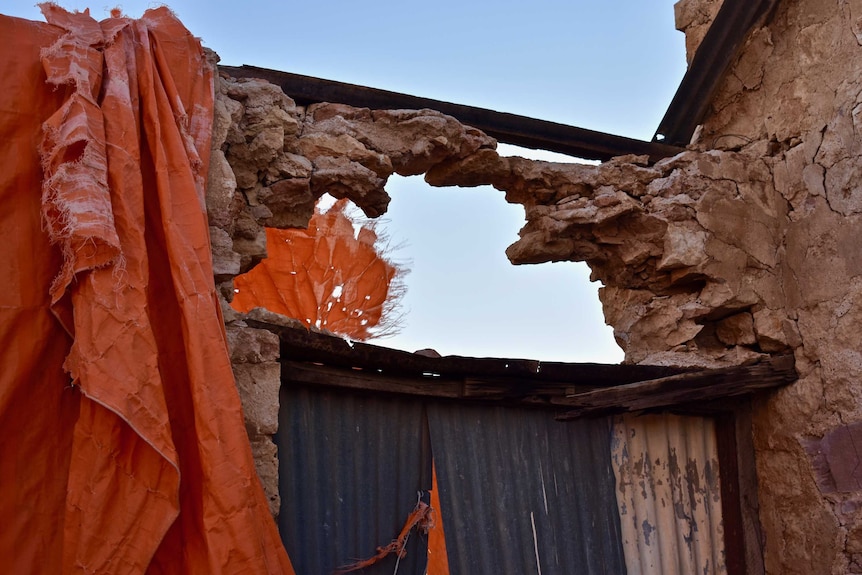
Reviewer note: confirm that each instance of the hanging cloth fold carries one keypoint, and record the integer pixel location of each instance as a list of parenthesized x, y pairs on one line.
[(123, 444)]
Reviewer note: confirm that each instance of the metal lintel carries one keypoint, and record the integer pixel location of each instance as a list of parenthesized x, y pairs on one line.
[(507, 128), (727, 34)]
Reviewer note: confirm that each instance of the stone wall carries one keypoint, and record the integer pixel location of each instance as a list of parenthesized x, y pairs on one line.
[(746, 244), (271, 161)]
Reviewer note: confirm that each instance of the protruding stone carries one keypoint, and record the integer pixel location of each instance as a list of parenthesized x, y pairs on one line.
[(226, 262), (775, 331), (736, 330), (684, 246), (265, 455), (249, 345), (258, 385)]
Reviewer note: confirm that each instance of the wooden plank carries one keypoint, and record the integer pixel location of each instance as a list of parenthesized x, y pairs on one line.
[(507, 128), (320, 375), (429, 386), (749, 507), (731, 510), (498, 389), (687, 388), (672, 391), (300, 344)]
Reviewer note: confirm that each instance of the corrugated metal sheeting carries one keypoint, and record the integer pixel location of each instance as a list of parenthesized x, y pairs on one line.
[(350, 467), (669, 495), (522, 493)]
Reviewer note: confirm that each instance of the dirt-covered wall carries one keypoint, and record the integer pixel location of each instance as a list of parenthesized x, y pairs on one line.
[(746, 244)]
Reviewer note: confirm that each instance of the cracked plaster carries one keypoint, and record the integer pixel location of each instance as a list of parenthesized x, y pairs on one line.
[(745, 244)]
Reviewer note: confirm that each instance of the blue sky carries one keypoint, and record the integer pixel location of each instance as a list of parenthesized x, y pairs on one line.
[(605, 65)]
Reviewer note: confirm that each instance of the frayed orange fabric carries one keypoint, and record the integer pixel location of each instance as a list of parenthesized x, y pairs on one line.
[(326, 276), (438, 558), (422, 518), (123, 444)]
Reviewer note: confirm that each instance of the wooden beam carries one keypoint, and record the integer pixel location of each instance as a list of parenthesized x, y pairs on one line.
[(578, 400), (749, 507), (300, 344), (428, 386), (293, 373), (688, 388), (506, 128)]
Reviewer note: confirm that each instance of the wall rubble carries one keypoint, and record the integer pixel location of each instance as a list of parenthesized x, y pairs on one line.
[(748, 243)]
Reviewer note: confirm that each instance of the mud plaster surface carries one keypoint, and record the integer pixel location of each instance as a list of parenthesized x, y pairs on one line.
[(748, 243)]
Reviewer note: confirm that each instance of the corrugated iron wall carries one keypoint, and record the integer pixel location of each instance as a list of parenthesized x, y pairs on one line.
[(523, 493), (520, 492), (350, 467), (669, 496)]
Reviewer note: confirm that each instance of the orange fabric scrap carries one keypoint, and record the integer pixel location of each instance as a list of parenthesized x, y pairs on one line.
[(422, 517), (438, 558), (326, 276), (123, 444)]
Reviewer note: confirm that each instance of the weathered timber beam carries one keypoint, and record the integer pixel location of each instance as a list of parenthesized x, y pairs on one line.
[(300, 344), (428, 386), (507, 128), (293, 372), (681, 389), (732, 25)]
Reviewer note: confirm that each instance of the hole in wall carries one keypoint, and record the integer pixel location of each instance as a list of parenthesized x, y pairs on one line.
[(465, 298)]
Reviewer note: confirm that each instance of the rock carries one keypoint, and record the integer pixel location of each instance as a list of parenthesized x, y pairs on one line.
[(249, 345), (736, 330), (265, 455), (258, 385), (226, 262), (775, 332), (684, 247), (221, 192), (290, 202)]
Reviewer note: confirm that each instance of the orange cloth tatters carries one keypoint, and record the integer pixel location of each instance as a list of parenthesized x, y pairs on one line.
[(123, 444), (327, 276)]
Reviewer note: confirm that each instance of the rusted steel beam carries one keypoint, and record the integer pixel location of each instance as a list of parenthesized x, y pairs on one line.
[(732, 25), (506, 128)]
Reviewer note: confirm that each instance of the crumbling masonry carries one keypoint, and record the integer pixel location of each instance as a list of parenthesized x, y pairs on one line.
[(747, 243)]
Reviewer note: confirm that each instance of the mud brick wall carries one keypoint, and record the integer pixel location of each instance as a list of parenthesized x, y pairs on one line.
[(748, 243)]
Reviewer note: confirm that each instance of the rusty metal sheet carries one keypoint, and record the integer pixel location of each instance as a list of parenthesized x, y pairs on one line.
[(522, 493), (350, 468), (734, 23), (505, 127), (669, 496)]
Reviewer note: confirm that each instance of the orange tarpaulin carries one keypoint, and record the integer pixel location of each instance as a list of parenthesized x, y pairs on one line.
[(328, 276), (123, 445)]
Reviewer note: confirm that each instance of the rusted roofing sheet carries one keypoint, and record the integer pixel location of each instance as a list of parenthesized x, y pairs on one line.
[(727, 34), (669, 495)]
